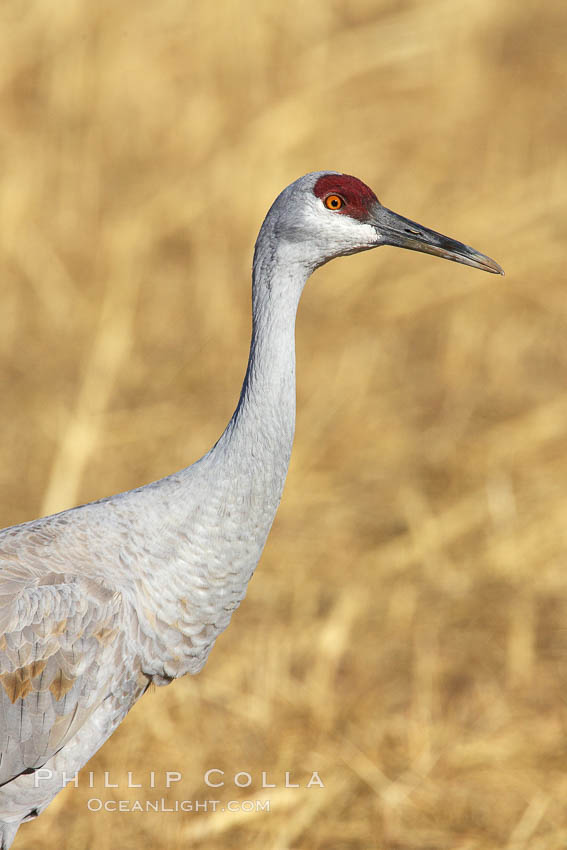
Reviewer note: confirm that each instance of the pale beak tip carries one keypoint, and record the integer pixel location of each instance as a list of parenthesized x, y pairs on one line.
[(497, 269)]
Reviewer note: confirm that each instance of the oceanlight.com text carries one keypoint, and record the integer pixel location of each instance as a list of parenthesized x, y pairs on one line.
[(95, 804)]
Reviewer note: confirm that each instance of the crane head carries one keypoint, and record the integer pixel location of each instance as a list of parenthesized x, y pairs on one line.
[(326, 214)]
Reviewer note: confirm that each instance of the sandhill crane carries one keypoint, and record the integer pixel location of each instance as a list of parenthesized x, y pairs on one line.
[(98, 601)]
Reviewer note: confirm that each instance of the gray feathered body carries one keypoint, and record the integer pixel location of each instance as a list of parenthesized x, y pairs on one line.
[(100, 600)]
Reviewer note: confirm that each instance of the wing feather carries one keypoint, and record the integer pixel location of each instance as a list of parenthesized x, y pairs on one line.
[(61, 650)]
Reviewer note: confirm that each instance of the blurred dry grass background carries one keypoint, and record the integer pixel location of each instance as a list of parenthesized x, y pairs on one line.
[(406, 632)]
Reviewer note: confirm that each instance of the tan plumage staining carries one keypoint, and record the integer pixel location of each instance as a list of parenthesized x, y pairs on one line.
[(61, 684), (19, 683), (106, 635)]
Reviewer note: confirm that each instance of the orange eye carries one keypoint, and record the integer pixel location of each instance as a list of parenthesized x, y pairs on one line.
[(334, 202)]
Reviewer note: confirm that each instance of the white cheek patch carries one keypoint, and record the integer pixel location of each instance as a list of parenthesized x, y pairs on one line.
[(353, 234), (368, 233)]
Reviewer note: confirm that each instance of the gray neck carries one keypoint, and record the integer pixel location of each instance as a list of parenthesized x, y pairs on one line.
[(262, 427), (233, 492)]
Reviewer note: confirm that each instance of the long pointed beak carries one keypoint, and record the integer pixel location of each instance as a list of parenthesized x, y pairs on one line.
[(396, 230)]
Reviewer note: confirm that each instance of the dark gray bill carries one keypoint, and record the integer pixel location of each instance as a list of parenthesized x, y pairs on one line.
[(404, 233)]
